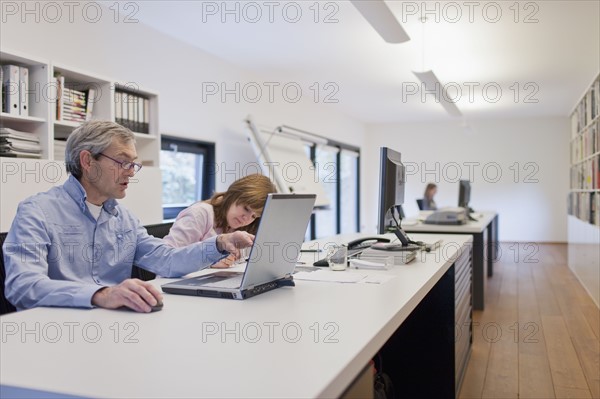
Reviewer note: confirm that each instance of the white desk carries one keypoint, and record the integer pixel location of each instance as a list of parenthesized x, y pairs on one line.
[(308, 341), (485, 242)]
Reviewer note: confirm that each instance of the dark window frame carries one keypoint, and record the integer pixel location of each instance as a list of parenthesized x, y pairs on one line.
[(207, 149), (340, 146)]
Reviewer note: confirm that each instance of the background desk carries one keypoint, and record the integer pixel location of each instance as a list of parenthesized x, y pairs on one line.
[(485, 246), (308, 341)]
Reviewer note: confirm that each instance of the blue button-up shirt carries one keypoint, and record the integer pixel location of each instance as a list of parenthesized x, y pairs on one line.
[(57, 254)]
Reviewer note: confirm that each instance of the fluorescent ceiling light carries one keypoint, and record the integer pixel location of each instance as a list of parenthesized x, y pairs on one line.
[(381, 18), (435, 87)]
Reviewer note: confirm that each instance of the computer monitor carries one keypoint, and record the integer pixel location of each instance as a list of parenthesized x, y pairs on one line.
[(464, 193), (391, 185)]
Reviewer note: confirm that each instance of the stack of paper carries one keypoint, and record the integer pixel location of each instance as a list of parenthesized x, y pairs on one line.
[(380, 256), (14, 143)]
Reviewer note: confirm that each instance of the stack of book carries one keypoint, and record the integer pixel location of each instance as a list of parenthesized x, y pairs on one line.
[(73, 105), (14, 143), (59, 150)]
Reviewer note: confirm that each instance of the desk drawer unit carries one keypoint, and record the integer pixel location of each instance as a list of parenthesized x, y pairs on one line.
[(463, 314)]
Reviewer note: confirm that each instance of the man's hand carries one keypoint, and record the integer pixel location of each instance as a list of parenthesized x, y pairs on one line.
[(235, 241), (132, 293), (225, 262)]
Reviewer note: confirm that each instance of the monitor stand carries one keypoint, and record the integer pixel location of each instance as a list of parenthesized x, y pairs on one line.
[(401, 234)]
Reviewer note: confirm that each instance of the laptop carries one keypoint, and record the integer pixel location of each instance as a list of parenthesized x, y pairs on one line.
[(272, 257)]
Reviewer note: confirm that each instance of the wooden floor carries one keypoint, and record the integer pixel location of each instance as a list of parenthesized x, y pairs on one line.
[(538, 336)]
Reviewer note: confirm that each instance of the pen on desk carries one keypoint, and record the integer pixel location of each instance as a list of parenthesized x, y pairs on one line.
[(311, 250)]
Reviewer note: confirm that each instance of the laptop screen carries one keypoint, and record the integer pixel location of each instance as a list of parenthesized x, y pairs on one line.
[(279, 238)]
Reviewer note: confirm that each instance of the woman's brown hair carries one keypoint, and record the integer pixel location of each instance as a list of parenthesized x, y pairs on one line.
[(250, 191)]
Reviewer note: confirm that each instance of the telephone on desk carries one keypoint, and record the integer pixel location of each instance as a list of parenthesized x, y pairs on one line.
[(356, 246)]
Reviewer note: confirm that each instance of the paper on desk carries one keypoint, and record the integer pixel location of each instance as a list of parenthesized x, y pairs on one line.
[(343, 277), (379, 278)]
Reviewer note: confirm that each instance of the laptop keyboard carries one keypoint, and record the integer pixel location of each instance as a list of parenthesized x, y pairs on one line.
[(233, 282)]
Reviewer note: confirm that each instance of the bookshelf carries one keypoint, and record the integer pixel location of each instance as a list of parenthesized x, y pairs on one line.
[(22, 177), (38, 121), (583, 219), (44, 90), (584, 196)]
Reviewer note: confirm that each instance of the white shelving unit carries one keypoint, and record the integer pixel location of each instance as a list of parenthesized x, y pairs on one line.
[(24, 177), (147, 144), (584, 195), (38, 122)]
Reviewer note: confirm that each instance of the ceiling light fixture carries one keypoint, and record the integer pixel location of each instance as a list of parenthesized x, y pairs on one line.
[(435, 87), (381, 18), (432, 83)]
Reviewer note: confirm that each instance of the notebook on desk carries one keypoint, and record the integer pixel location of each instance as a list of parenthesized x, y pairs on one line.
[(272, 257)]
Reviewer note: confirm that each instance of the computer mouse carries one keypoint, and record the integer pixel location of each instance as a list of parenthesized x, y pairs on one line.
[(157, 307), (321, 263)]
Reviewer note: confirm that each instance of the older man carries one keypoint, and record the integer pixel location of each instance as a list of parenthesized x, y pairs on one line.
[(74, 245)]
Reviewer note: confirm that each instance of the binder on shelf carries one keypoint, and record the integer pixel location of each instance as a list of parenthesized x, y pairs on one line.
[(140, 115), (132, 105), (10, 81), (147, 112), (119, 107), (24, 91), (124, 108)]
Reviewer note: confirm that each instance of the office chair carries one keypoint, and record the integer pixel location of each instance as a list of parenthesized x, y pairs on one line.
[(159, 231), (420, 204), (5, 306)]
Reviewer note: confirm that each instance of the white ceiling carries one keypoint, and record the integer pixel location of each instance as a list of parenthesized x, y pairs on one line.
[(542, 57)]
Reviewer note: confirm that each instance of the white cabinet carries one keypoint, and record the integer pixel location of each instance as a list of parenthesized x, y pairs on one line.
[(21, 177)]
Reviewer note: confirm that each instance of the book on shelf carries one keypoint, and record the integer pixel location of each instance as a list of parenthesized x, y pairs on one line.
[(73, 105), (90, 99), (60, 84)]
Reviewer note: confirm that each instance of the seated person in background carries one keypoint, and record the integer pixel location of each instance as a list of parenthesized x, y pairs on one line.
[(237, 209), (74, 245), (428, 202)]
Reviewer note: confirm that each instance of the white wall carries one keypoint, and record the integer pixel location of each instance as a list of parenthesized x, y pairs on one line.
[(531, 203), (133, 52), (177, 71)]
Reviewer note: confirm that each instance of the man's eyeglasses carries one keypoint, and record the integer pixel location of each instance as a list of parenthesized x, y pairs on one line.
[(125, 164)]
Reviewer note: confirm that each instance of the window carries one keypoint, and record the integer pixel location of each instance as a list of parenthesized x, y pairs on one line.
[(327, 173), (187, 176), (349, 178), (337, 168)]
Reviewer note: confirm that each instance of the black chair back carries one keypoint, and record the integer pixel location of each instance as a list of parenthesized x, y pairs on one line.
[(5, 306), (420, 204), (159, 231)]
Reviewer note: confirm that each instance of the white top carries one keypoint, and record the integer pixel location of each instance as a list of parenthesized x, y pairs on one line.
[(193, 224), (94, 209), (471, 227), (308, 341)]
